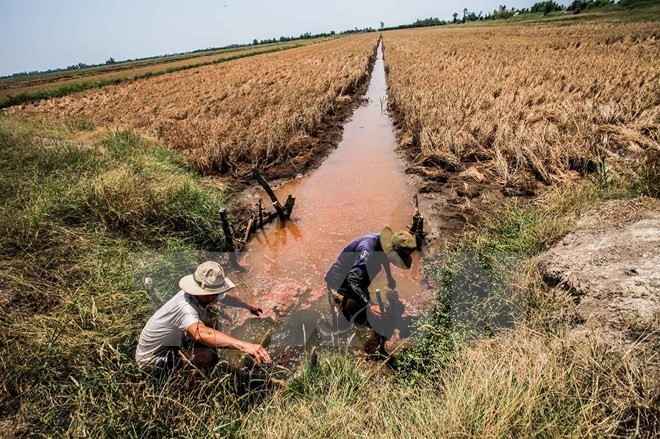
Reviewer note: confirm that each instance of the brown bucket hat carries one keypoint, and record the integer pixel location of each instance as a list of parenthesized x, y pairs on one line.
[(209, 278), (398, 247)]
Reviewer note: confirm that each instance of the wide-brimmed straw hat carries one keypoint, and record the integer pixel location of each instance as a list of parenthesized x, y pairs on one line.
[(209, 278), (398, 247)]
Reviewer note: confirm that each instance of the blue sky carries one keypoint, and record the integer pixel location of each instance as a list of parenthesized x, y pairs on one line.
[(42, 34)]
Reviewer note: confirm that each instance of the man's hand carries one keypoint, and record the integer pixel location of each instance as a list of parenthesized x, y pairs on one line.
[(254, 309), (257, 352), (375, 311), (391, 283)]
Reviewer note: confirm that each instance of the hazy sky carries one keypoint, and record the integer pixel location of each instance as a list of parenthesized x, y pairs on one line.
[(42, 34)]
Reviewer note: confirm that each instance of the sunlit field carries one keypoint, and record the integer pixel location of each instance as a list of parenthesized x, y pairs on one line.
[(262, 110), (515, 103)]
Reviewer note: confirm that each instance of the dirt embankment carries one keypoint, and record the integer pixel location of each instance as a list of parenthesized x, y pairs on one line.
[(610, 265)]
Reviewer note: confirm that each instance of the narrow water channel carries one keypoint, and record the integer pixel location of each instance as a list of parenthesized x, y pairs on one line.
[(360, 188)]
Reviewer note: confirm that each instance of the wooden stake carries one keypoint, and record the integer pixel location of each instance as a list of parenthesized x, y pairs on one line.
[(226, 229), (269, 191), (383, 322), (261, 215), (229, 240), (288, 205), (417, 227), (248, 230)]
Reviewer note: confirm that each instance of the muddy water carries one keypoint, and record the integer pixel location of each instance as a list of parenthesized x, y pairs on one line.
[(359, 189)]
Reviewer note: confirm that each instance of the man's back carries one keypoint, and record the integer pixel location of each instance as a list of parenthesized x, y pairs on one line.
[(168, 325), (363, 258)]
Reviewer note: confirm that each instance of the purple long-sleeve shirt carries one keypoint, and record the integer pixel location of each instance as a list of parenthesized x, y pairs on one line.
[(357, 265)]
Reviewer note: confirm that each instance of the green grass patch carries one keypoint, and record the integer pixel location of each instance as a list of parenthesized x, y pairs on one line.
[(488, 276), (71, 218)]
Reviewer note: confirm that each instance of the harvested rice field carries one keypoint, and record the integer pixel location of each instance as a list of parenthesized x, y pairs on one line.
[(519, 105), (130, 69), (263, 111)]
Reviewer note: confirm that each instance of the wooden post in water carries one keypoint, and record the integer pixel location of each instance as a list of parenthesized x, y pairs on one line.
[(229, 240), (248, 230), (288, 205), (269, 191), (417, 227), (261, 215), (384, 321)]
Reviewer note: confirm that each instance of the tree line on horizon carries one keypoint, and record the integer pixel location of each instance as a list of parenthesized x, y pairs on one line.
[(503, 12)]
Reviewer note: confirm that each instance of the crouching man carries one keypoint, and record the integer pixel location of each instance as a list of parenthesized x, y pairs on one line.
[(351, 275), (184, 325)]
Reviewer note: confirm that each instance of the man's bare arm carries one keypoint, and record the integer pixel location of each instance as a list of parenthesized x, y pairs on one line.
[(231, 299), (210, 337)]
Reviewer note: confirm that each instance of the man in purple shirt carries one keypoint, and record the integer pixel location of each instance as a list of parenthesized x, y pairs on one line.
[(357, 266)]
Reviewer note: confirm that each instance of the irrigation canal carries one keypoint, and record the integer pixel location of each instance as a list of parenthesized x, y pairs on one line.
[(359, 188)]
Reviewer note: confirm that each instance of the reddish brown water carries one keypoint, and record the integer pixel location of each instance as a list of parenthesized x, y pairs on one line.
[(359, 189)]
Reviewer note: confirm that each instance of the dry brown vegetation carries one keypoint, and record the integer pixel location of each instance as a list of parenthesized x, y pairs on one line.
[(263, 110), (517, 102), (22, 84)]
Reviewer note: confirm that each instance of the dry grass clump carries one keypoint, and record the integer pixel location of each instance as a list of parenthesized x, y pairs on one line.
[(519, 384), (263, 110), (519, 100)]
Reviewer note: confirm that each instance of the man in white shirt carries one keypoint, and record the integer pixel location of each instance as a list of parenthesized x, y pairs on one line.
[(185, 318)]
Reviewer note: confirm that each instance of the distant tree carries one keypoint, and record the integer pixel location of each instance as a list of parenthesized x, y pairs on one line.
[(426, 22), (111, 60), (455, 17), (502, 13), (579, 5), (546, 7), (255, 42), (382, 25)]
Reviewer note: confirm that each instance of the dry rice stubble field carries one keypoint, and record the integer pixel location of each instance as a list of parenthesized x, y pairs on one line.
[(523, 105), (126, 70), (267, 110)]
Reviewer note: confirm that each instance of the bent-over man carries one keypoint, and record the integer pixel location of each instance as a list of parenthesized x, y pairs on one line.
[(184, 325), (356, 267)]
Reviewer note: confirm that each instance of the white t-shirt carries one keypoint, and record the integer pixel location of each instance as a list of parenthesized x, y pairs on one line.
[(168, 326)]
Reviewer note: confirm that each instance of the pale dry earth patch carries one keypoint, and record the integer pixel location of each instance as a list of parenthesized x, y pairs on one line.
[(609, 264)]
